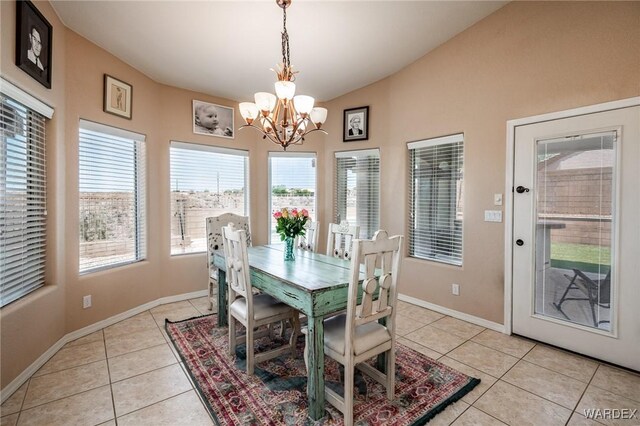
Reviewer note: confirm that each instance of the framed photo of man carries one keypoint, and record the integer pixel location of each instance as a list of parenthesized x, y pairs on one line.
[(356, 124), (117, 97), (33, 42)]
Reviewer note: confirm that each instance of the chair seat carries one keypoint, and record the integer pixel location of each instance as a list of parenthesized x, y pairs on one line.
[(367, 336), (264, 306)]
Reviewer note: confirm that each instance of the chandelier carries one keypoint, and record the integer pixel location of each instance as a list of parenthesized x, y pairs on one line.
[(283, 118)]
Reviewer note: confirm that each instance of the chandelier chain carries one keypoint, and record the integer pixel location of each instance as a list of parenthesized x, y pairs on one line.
[(285, 40)]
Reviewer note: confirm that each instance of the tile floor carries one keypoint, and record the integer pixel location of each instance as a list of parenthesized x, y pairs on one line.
[(129, 374)]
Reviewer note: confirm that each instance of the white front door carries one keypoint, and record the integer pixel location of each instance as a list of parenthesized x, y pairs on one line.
[(576, 234)]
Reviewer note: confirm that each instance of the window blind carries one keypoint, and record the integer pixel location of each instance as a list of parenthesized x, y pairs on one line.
[(435, 199), (292, 183), (112, 197), (358, 189), (22, 200), (205, 181)]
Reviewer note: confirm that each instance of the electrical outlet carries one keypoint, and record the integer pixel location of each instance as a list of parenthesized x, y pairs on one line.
[(455, 289), (86, 302)]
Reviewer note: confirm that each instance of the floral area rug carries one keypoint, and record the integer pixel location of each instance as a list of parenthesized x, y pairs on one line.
[(276, 394)]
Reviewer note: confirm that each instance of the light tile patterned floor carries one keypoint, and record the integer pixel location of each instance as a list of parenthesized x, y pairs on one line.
[(129, 374)]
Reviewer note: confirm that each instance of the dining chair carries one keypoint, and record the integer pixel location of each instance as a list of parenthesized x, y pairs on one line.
[(359, 334), (309, 241), (249, 309), (340, 239), (214, 243)]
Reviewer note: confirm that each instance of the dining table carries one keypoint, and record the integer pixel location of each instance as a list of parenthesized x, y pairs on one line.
[(314, 284)]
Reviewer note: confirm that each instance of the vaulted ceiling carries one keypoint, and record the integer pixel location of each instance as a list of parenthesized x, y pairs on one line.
[(226, 48)]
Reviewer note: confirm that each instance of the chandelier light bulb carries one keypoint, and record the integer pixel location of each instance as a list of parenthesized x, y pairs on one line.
[(303, 104), (248, 111), (318, 116), (265, 101), (285, 90)]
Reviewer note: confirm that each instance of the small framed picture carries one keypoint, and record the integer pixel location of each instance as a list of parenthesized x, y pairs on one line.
[(34, 36), (212, 120), (117, 97), (356, 124)]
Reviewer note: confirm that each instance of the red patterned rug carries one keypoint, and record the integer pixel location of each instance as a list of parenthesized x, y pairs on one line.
[(276, 394)]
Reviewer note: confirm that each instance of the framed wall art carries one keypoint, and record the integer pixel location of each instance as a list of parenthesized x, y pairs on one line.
[(117, 97), (34, 35), (356, 124), (212, 120)]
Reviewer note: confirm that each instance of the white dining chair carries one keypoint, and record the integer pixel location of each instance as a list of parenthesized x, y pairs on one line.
[(356, 336), (309, 241), (340, 239), (252, 310), (214, 243)]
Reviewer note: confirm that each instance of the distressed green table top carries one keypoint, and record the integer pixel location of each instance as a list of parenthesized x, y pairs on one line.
[(310, 272)]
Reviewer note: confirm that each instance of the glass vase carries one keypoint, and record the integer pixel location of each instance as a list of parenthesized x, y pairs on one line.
[(288, 249)]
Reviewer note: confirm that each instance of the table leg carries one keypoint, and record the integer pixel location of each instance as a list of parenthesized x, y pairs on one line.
[(222, 299), (315, 382)]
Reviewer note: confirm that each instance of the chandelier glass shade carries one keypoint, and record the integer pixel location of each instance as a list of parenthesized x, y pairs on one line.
[(283, 118)]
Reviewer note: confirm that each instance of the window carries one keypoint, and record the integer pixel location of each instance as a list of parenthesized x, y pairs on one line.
[(112, 197), (205, 181), (358, 189), (292, 183), (22, 200), (435, 199)]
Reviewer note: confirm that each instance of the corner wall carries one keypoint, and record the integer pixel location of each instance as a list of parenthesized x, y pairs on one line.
[(41, 314), (527, 58)]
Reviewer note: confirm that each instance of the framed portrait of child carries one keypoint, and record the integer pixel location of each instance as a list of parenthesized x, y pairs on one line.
[(212, 120)]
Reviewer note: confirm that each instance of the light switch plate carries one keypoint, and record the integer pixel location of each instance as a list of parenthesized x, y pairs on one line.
[(497, 199), (493, 216)]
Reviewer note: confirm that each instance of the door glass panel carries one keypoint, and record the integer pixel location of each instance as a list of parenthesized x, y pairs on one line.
[(574, 231)]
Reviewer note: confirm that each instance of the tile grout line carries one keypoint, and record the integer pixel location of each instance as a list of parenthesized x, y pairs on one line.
[(113, 400), (137, 350), (583, 393), (65, 369), (502, 352), (151, 405)]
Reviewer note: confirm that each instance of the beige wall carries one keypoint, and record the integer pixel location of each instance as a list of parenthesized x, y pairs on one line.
[(41, 315), (527, 58)]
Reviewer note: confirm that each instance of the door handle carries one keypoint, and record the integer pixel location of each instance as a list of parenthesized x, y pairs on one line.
[(521, 189), (519, 242)]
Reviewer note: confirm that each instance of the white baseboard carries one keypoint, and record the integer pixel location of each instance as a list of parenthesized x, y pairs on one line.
[(455, 314), (42, 359)]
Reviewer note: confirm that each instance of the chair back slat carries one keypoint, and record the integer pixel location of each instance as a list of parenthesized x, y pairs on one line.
[(340, 239), (309, 241), (237, 262), (214, 231), (381, 259)]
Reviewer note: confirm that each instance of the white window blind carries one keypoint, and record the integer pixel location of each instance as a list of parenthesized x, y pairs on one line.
[(358, 189), (292, 183), (435, 199), (22, 200), (112, 197), (205, 181)]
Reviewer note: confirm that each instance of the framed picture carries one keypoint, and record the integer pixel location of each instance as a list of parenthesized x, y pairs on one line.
[(356, 124), (117, 97), (212, 120), (33, 43)]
